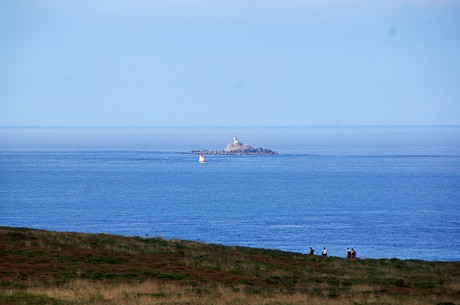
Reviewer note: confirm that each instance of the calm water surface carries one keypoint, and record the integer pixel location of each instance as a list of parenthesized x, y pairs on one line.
[(388, 192)]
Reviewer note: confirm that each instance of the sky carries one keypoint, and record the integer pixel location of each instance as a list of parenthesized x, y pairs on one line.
[(229, 63)]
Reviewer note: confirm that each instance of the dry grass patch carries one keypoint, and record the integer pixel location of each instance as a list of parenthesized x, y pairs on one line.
[(154, 292)]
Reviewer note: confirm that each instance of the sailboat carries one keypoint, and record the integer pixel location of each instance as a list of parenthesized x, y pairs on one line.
[(202, 159)]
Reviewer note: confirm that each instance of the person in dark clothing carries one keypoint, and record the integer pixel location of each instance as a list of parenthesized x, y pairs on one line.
[(348, 253), (312, 251), (353, 253)]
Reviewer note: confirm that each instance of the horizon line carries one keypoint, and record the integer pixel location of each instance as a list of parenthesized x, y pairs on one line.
[(233, 126)]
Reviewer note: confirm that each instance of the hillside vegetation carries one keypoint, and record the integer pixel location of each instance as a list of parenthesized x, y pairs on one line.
[(42, 267)]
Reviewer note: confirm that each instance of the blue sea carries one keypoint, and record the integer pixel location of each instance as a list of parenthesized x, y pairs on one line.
[(388, 192)]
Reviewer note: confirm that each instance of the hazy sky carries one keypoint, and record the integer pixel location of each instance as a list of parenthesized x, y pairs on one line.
[(211, 62)]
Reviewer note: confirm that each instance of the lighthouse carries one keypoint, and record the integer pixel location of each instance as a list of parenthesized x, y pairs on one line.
[(237, 141)]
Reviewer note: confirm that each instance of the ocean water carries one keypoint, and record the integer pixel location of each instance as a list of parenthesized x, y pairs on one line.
[(387, 192)]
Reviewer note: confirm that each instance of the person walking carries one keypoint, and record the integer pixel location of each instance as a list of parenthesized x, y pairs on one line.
[(324, 252), (348, 253), (353, 253), (312, 251)]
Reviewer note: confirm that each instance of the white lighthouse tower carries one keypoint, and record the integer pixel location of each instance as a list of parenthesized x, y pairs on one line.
[(237, 141)]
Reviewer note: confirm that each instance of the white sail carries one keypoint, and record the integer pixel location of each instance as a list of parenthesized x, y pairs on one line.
[(202, 159)]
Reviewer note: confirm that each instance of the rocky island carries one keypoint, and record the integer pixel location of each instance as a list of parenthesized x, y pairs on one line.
[(237, 148)]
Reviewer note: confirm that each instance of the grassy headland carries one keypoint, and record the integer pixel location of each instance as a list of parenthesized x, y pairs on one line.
[(42, 267)]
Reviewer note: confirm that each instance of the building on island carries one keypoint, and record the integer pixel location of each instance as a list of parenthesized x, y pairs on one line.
[(237, 148), (237, 141)]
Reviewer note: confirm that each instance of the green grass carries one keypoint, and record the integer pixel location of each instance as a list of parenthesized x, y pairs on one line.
[(34, 258)]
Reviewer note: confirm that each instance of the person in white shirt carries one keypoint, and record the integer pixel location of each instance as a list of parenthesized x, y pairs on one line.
[(324, 252), (348, 253)]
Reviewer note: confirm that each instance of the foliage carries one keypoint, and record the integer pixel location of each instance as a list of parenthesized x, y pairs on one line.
[(41, 267)]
